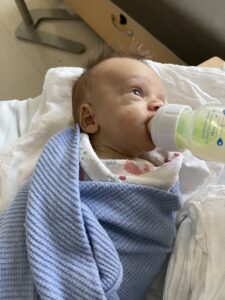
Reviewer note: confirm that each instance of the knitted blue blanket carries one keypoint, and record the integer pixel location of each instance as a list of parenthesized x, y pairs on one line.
[(62, 239)]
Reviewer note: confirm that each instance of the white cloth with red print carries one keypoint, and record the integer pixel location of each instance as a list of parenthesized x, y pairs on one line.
[(157, 168)]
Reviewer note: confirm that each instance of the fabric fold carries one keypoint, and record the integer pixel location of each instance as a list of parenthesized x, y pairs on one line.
[(196, 266)]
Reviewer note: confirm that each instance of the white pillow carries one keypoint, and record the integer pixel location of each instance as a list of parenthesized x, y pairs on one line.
[(15, 119)]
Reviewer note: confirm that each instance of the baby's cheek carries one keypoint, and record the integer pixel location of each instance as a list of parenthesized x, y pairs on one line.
[(131, 117)]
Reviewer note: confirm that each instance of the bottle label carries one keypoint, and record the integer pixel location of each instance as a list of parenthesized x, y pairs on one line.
[(212, 127)]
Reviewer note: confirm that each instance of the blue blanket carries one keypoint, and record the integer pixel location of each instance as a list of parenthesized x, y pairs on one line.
[(62, 239)]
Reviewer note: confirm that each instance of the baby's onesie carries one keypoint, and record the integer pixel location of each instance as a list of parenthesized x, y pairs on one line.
[(156, 168)]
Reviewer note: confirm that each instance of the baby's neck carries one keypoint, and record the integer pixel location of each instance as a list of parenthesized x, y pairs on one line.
[(106, 153)]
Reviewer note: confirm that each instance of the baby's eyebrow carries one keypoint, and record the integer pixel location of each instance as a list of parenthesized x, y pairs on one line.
[(139, 78)]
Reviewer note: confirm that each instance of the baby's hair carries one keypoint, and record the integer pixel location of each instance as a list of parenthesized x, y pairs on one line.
[(84, 84), (135, 51)]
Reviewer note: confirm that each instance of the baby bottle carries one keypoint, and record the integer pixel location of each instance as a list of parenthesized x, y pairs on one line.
[(202, 131)]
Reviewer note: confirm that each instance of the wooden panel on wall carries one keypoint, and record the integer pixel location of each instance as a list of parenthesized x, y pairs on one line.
[(118, 29)]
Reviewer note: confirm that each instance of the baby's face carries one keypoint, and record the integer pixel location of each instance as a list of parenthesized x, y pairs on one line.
[(126, 97)]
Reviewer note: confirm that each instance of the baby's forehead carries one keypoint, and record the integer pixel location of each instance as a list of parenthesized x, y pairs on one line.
[(122, 67)]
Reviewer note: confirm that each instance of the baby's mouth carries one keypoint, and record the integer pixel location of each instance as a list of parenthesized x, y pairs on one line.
[(150, 118)]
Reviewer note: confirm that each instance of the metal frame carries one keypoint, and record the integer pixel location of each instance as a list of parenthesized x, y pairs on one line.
[(27, 30)]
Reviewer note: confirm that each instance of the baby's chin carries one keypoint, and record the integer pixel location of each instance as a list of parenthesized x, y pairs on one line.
[(149, 145), (140, 146)]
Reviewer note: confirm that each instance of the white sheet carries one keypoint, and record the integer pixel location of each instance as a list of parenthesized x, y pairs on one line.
[(15, 119), (197, 267), (53, 113)]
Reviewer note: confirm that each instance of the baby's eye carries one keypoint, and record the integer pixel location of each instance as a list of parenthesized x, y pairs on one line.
[(136, 92)]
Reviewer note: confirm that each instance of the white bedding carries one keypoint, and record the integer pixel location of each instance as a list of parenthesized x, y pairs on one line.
[(196, 268), (25, 126)]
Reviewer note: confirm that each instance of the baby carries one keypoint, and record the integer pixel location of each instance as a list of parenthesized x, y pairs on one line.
[(113, 101), (96, 218)]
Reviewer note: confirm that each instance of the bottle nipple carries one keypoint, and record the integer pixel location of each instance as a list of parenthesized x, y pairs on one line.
[(162, 126)]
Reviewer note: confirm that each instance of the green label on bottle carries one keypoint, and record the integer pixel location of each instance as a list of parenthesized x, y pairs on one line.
[(210, 128)]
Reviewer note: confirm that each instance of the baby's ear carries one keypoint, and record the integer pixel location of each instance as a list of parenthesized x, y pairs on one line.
[(87, 119)]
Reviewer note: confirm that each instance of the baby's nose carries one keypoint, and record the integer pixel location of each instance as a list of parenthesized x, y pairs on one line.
[(155, 105)]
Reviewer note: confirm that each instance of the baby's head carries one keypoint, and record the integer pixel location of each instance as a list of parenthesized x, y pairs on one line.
[(113, 101)]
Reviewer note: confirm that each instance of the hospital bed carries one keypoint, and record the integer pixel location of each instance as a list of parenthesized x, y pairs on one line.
[(196, 266)]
